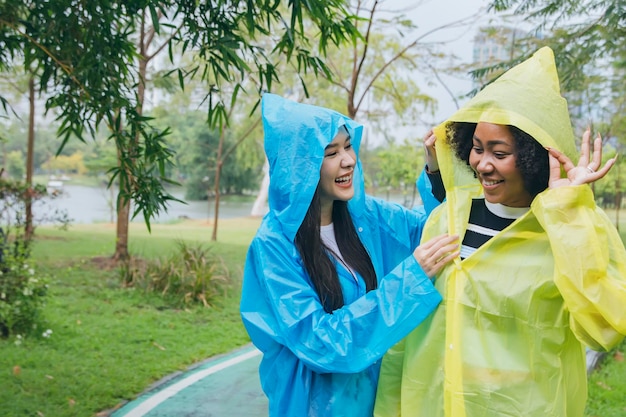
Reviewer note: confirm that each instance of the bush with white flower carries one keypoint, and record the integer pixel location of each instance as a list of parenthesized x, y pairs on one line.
[(22, 291), (22, 295)]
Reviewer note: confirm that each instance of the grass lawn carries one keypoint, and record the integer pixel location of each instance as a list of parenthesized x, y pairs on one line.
[(109, 344), (607, 387)]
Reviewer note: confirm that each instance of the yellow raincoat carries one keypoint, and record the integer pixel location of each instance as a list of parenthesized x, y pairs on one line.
[(508, 338)]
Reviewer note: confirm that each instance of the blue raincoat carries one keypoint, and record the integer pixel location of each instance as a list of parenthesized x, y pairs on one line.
[(315, 363)]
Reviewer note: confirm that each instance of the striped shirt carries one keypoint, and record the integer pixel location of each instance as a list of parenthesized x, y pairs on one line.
[(487, 220)]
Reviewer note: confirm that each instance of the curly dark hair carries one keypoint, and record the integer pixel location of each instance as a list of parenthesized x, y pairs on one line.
[(532, 158)]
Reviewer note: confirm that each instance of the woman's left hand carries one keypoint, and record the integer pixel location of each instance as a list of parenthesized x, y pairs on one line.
[(589, 167), (437, 253)]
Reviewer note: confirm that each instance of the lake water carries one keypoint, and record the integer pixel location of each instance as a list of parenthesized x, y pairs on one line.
[(94, 205)]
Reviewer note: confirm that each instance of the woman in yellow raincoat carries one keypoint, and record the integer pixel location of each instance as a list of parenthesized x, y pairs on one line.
[(544, 278)]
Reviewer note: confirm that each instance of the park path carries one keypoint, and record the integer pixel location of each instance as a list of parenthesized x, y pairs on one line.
[(224, 386)]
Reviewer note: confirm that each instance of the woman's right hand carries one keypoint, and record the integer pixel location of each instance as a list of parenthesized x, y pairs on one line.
[(437, 253), (430, 152)]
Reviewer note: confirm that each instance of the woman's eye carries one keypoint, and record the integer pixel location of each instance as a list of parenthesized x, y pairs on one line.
[(330, 154), (348, 146), (477, 149), (500, 155)]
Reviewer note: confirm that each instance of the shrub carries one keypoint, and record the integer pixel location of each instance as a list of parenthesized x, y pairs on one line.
[(22, 295), (22, 292), (192, 275)]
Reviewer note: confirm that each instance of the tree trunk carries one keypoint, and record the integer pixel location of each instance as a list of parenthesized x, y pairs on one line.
[(121, 237), (218, 172), (28, 229), (123, 208), (123, 215)]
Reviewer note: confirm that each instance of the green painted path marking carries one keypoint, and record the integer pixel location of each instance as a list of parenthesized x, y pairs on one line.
[(226, 386)]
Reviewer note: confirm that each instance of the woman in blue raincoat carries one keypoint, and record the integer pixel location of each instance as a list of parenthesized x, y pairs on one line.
[(542, 270), (331, 280)]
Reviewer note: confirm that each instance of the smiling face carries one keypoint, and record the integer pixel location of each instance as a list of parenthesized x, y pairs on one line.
[(336, 174), (494, 159)]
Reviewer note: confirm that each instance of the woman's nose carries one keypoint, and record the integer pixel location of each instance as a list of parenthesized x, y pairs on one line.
[(347, 160), (484, 165)]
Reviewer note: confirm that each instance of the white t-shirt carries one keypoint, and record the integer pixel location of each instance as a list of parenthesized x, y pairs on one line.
[(327, 234)]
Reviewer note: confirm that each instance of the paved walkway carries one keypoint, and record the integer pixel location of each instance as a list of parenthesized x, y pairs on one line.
[(224, 386), (227, 385)]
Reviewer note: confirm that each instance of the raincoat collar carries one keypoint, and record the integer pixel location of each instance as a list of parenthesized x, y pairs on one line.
[(526, 96), (295, 136)]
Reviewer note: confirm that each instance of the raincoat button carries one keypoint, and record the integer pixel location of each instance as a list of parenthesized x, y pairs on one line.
[(360, 229)]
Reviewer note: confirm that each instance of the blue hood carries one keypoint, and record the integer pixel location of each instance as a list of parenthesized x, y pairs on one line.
[(296, 135)]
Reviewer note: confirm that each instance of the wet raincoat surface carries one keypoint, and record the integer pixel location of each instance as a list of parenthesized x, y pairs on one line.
[(314, 363), (506, 340)]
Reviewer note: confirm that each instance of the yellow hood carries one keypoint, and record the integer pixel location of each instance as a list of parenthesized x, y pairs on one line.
[(526, 96)]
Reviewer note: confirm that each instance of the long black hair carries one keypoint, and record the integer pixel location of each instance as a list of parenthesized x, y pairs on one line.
[(531, 158), (317, 259)]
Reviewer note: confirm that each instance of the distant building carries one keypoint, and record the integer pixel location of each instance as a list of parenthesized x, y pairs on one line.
[(496, 44)]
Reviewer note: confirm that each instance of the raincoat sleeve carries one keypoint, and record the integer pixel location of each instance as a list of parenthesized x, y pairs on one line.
[(590, 263), (279, 304), (431, 190)]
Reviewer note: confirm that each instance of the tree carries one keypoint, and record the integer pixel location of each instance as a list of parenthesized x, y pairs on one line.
[(376, 76), (221, 156), (397, 167), (196, 147), (14, 165), (89, 57), (85, 59), (149, 24), (30, 145), (613, 128), (581, 31), (373, 80)]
